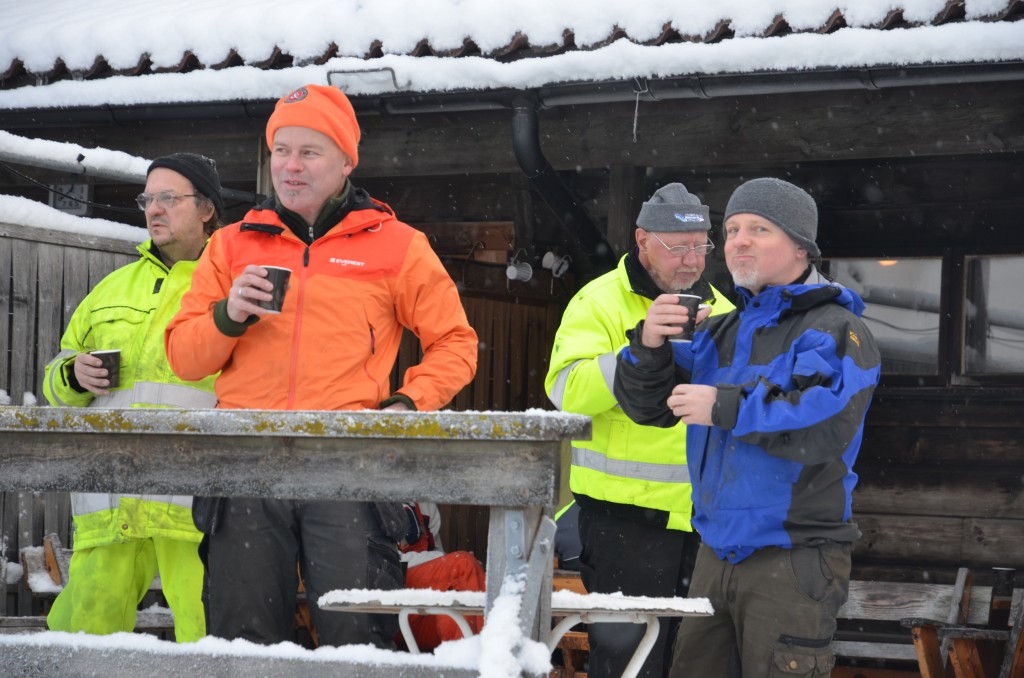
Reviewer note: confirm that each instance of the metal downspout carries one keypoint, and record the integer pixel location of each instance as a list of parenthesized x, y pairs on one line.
[(593, 255)]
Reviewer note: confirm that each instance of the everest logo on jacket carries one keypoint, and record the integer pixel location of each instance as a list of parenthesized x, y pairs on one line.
[(346, 262)]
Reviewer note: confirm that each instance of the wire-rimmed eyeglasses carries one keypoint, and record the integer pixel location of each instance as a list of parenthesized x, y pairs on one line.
[(683, 250), (165, 199)]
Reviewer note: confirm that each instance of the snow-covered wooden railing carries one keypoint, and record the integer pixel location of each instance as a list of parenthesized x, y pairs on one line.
[(508, 461)]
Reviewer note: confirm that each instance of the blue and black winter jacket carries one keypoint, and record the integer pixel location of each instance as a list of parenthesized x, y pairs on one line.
[(795, 371)]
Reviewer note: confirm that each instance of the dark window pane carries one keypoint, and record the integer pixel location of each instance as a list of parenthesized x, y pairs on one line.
[(903, 302)]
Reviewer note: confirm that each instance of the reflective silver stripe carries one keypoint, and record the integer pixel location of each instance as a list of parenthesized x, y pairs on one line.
[(83, 503), (59, 358), (606, 362), (638, 470), (558, 389), (155, 393)]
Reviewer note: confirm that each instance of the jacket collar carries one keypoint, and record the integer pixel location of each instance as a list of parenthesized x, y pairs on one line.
[(813, 288), (641, 282), (354, 210), (151, 253)]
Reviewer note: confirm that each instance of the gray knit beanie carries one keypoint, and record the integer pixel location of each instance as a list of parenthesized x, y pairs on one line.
[(198, 169), (673, 209), (789, 207)]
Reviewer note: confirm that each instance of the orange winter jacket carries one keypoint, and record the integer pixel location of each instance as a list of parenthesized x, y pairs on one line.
[(334, 343)]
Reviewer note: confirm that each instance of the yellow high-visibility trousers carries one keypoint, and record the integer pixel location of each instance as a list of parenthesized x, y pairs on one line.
[(107, 583)]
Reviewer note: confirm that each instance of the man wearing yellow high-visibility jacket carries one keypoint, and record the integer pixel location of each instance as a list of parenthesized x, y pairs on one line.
[(122, 541), (631, 481)]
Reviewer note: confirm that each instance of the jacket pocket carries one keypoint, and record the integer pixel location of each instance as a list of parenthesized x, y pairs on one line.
[(806, 657)]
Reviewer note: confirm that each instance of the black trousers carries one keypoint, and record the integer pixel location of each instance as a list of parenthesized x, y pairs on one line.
[(253, 559), (639, 560)]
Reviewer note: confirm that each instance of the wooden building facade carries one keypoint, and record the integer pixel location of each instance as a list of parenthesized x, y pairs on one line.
[(919, 177)]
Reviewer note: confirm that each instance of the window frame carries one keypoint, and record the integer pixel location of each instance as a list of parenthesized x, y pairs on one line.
[(951, 358)]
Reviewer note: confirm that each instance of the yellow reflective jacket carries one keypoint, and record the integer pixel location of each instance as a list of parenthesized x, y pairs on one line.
[(624, 463), (129, 310)]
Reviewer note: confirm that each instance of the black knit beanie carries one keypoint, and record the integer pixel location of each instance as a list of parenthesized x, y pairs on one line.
[(198, 169)]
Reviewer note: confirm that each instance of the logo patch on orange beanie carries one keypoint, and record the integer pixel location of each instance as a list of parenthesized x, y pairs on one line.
[(297, 95)]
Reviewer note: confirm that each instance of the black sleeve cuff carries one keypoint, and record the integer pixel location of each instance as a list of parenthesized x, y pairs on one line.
[(726, 409), (226, 325), (399, 398), (72, 378), (648, 359)]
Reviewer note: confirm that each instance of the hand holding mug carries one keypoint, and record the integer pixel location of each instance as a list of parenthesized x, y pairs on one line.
[(260, 291)]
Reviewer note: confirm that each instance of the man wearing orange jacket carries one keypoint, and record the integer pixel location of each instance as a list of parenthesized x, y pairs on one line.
[(359, 277)]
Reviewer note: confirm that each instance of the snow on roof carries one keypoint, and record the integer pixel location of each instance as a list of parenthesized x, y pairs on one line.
[(66, 53)]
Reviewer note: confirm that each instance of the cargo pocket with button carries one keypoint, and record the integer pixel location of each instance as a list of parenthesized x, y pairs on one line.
[(806, 657)]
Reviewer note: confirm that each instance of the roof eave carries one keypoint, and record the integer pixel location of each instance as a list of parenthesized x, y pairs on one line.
[(551, 96)]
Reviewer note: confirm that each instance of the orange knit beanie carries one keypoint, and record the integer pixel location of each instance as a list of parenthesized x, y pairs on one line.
[(324, 109)]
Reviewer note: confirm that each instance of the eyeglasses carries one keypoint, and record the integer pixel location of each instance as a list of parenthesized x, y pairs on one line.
[(164, 199), (683, 250)]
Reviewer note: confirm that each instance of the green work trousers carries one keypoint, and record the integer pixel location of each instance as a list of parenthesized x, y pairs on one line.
[(775, 611), (107, 583)]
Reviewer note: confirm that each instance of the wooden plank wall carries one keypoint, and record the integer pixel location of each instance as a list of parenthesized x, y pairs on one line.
[(941, 484), (44, 275)]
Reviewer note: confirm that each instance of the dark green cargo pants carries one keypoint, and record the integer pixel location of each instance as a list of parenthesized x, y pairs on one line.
[(775, 610)]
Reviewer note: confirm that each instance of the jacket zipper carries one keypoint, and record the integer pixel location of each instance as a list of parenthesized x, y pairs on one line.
[(297, 331), (366, 365)]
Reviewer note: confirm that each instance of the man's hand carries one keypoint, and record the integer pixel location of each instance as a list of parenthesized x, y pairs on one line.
[(665, 316), (247, 289), (91, 374), (693, 402)]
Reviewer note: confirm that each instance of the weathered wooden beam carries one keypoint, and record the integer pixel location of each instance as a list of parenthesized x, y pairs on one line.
[(68, 238), (505, 459), (938, 540), (926, 489), (740, 131)]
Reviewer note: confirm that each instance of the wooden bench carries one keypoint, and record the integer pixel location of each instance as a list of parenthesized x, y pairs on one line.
[(883, 611), (44, 575), (972, 651)]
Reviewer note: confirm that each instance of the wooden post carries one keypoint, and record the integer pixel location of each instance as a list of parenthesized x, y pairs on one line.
[(625, 195)]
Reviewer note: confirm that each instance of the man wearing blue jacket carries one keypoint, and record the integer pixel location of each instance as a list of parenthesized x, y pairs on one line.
[(774, 398)]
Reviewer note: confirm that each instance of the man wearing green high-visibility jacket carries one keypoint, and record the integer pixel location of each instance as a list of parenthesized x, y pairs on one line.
[(631, 482), (121, 541)]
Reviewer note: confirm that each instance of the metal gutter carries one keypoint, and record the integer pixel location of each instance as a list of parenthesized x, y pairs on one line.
[(553, 96)]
